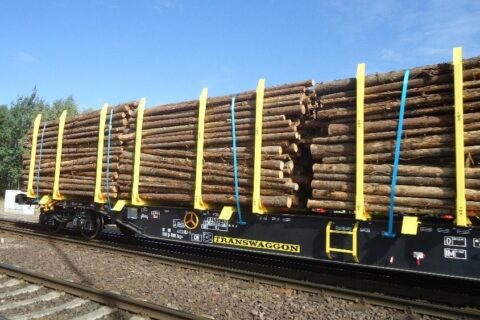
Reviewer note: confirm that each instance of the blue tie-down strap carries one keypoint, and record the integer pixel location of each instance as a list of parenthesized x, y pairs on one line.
[(108, 159), (396, 160), (235, 164), (40, 159)]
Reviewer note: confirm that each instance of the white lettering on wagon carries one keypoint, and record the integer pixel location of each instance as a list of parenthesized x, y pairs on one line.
[(454, 241), (476, 242), (450, 253)]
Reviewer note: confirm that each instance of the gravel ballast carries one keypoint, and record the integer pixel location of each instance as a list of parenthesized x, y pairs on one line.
[(200, 292)]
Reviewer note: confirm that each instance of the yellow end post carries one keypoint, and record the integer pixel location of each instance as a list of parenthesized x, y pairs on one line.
[(257, 206), (202, 106), (56, 195), (98, 198), (33, 154), (360, 212), (461, 208), (136, 200)]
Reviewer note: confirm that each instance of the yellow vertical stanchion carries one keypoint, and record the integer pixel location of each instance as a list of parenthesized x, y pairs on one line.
[(56, 195), (98, 198), (257, 206), (360, 212), (202, 106), (461, 207), (33, 154), (136, 200)]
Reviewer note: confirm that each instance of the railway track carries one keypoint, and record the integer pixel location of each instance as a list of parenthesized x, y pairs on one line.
[(26, 295), (454, 291), (408, 306)]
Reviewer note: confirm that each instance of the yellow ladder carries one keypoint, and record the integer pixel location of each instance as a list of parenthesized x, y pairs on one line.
[(353, 233)]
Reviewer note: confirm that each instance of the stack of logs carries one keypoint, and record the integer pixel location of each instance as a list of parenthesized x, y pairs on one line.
[(308, 147), (79, 153), (426, 176), (168, 151)]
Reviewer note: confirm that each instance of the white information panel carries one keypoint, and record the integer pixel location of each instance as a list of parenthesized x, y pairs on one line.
[(11, 207)]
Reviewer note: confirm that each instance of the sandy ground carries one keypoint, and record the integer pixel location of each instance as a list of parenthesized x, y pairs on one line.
[(202, 293)]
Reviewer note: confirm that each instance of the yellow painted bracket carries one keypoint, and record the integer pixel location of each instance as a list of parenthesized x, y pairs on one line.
[(409, 225), (227, 212), (47, 203), (33, 154), (119, 205), (98, 197), (354, 234), (45, 200), (257, 206), (198, 202), (56, 195), (360, 212), (136, 200), (461, 207)]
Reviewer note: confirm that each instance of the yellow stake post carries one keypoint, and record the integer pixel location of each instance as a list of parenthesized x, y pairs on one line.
[(257, 206), (202, 106), (461, 207), (56, 195), (360, 212), (36, 125), (136, 200), (98, 198)]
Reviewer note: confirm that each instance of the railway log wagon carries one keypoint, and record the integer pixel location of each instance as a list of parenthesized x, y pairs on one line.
[(376, 171)]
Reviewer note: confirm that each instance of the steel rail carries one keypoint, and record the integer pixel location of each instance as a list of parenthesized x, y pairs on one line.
[(103, 297), (376, 299)]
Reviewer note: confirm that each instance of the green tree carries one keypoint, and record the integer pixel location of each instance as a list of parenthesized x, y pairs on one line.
[(59, 105), (4, 150), (15, 122)]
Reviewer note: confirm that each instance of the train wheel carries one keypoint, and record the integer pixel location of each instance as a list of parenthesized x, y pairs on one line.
[(91, 225), (49, 221)]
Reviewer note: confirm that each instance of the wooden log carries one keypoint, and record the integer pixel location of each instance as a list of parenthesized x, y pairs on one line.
[(172, 197), (385, 200), (83, 167), (92, 150), (401, 190), (319, 151), (411, 92), (87, 194), (159, 186), (387, 107), (75, 127), (472, 106), (344, 205), (384, 135), (419, 82), (403, 180), (403, 170), (180, 120), (267, 201), (189, 165), (223, 139), (406, 155), (249, 95), (337, 129), (393, 76)]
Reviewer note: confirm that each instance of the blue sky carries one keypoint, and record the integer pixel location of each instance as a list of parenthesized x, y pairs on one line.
[(167, 50)]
